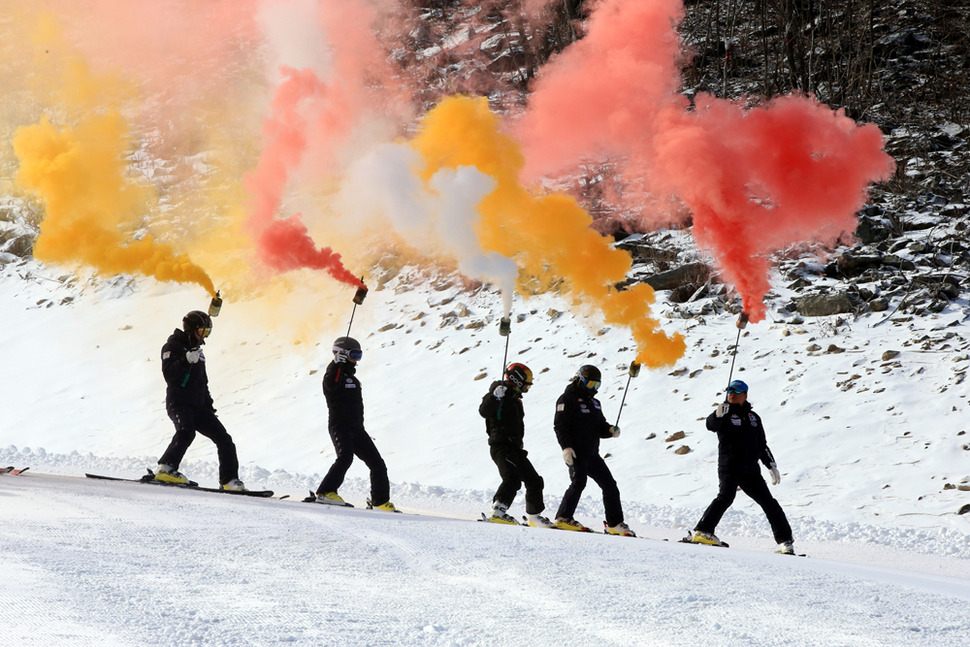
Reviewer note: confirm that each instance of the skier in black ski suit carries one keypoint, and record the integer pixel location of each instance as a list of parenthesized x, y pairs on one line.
[(579, 425), (741, 444), (189, 404), (346, 424), (505, 424)]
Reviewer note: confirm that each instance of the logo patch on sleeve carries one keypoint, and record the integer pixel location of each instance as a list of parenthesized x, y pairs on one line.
[(560, 407)]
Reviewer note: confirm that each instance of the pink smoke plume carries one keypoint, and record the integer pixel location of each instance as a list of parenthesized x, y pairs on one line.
[(310, 119), (755, 180), (602, 94)]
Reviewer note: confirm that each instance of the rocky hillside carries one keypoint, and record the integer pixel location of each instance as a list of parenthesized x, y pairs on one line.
[(901, 64)]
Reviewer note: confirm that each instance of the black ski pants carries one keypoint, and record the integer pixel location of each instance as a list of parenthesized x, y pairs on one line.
[(755, 487), (515, 468), (189, 420), (349, 443), (593, 467)]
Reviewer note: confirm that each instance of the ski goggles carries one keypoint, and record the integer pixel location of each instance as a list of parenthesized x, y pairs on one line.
[(206, 331), (355, 354), (592, 385), (734, 391)]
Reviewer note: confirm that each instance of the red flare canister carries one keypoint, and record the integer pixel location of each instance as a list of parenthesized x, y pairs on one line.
[(360, 294)]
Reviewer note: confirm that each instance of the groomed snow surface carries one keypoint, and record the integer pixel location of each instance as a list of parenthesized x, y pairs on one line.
[(101, 563)]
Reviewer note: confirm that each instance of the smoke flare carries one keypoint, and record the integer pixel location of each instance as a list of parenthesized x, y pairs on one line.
[(548, 236)]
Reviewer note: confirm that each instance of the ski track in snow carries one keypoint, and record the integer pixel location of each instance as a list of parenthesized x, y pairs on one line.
[(100, 563)]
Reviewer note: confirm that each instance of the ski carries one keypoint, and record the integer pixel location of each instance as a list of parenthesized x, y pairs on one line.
[(313, 498), (13, 470), (687, 540), (190, 485)]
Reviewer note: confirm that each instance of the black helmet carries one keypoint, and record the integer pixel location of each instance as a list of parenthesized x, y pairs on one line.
[(590, 377), (195, 320), (345, 348), (520, 375)]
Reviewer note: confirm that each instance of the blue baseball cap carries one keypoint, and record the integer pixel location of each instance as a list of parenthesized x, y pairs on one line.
[(737, 386)]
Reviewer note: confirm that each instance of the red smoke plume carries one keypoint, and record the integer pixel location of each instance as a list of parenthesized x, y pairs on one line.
[(286, 244), (310, 120), (756, 180), (762, 179)]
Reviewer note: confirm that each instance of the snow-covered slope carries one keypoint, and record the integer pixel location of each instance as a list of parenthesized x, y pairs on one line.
[(867, 446)]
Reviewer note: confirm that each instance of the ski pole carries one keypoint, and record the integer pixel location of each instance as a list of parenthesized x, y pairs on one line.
[(504, 329), (634, 371), (742, 322), (358, 299)]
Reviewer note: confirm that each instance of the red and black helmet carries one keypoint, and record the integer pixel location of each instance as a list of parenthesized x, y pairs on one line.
[(520, 375)]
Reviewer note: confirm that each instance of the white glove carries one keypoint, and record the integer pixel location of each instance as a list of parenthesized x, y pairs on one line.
[(193, 356), (499, 391), (615, 431), (569, 455), (775, 474), (722, 409)]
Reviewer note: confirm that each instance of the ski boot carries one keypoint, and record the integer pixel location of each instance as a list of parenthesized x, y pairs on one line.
[(168, 474), (570, 524), (785, 548), (619, 529), (500, 514), (706, 538), (235, 485), (386, 506), (330, 498), (538, 521)]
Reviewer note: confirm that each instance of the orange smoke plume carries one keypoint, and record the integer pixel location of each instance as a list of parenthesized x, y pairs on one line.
[(549, 236)]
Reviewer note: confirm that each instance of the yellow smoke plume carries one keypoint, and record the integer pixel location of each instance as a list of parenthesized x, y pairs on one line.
[(92, 207), (79, 173), (549, 236)]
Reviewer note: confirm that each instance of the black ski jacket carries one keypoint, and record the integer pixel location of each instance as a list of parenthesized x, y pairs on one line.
[(505, 418), (344, 400), (579, 421), (740, 440), (187, 383)]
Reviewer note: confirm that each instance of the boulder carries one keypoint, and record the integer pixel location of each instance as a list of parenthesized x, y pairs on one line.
[(821, 305)]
